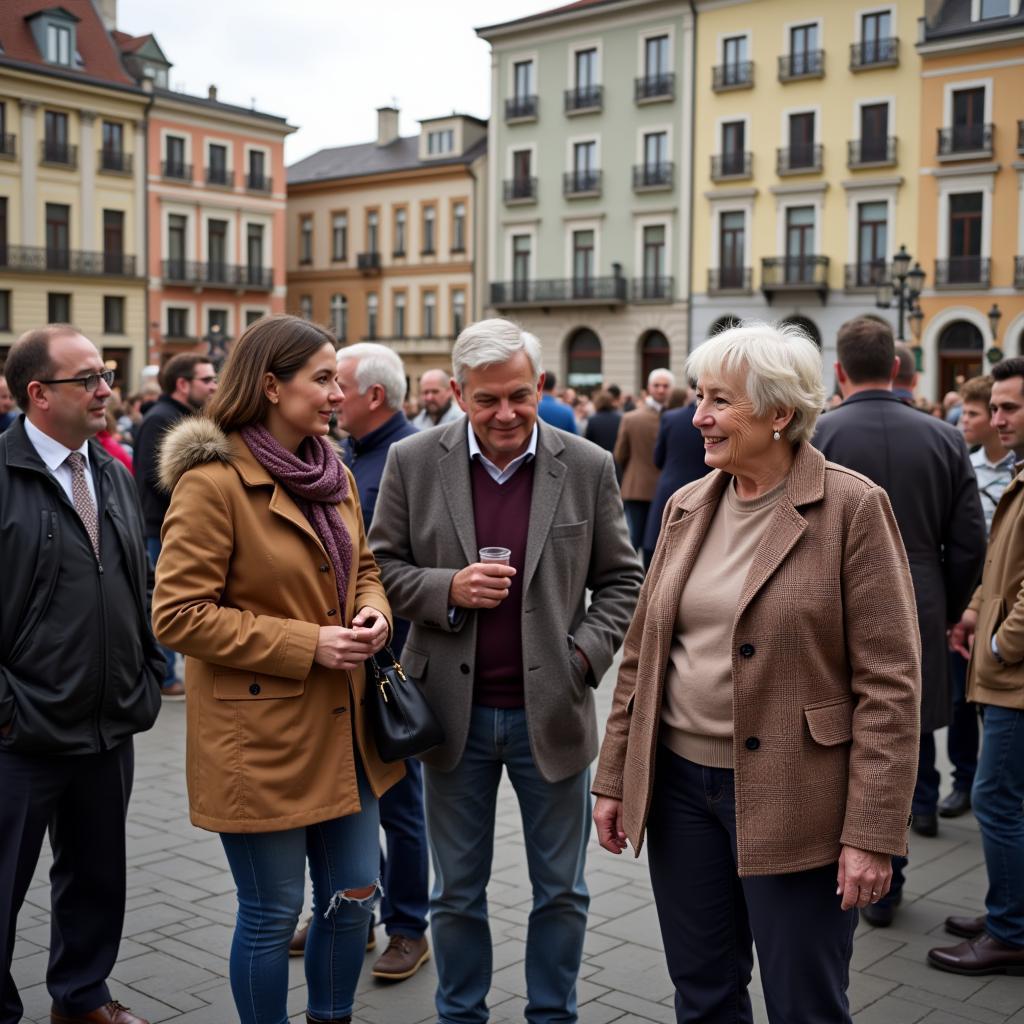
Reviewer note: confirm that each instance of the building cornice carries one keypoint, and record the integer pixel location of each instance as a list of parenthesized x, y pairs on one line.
[(88, 85), (797, 190), (541, 23), (455, 170), (731, 193), (891, 181), (963, 171)]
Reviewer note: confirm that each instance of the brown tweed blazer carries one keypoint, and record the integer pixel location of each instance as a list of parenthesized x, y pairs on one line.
[(826, 673)]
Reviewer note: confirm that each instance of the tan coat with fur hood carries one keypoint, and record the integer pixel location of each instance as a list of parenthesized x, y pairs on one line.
[(243, 586)]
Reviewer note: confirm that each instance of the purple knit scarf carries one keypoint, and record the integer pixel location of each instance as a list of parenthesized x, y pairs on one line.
[(317, 482)]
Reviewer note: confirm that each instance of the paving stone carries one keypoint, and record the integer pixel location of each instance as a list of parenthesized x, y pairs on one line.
[(891, 1009)]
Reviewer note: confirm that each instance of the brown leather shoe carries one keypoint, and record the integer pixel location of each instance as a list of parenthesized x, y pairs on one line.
[(109, 1013), (402, 959), (983, 955), (966, 927), (297, 947)]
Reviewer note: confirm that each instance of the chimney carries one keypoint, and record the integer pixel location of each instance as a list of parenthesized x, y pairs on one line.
[(108, 14), (212, 93), (387, 125)]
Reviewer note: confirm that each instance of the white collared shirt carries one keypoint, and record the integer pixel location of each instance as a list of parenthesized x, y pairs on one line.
[(500, 476), (54, 455)]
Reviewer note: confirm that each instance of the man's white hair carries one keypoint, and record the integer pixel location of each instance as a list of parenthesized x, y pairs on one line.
[(662, 372), (377, 364), (782, 366), (493, 341)]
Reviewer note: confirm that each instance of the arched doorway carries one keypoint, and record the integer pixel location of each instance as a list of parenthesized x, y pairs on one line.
[(584, 361), (809, 327), (960, 354), (723, 323), (654, 354)]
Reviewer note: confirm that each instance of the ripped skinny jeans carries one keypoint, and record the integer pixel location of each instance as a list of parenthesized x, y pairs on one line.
[(269, 869)]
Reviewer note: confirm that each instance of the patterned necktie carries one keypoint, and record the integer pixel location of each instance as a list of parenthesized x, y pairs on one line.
[(84, 505)]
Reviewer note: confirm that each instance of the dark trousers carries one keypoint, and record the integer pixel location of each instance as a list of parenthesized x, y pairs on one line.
[(404, 869), (83, 801), (710, 917), (926, 788), (153, 550), (964, 733), (636, 519)]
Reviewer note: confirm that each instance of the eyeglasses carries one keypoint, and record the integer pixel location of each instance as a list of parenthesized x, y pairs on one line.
[(90, 382), (206, 380)]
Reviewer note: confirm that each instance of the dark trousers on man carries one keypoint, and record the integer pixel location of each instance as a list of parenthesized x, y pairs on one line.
[(964, 731), (636, 519), (82, 800), (404, 869), (710, 917)]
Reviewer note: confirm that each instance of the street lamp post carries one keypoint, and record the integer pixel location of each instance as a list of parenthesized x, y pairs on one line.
[(905, 286), (995, 353)]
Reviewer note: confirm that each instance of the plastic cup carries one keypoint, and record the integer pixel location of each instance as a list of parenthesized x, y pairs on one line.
[(501, 556)]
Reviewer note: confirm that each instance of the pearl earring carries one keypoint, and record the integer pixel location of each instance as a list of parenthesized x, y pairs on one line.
[(776, 436)]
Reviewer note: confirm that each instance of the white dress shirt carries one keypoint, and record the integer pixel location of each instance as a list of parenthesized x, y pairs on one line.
[(500, 476), (54, 455)]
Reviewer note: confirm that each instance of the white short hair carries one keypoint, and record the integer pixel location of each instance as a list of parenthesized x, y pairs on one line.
[(377, 364), (493, 341), (783, 368), (661, 372)]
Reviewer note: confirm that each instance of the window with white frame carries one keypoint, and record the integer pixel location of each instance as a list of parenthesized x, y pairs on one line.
[(306, 238), (458, 311), (58, 44), (400, 222), (459, 227), (429, 241), (521, 248), (429, 314), (339, 317), (371, 316), (398, 315), (339, 237), (306, 307), (441, 142)]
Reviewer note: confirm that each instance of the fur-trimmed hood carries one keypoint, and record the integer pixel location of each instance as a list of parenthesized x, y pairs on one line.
[(193, 442)]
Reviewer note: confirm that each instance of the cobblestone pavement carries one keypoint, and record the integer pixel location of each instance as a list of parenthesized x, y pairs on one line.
[(173, 960)]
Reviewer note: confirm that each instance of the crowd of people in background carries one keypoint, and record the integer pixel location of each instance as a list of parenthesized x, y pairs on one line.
[(807, 589)]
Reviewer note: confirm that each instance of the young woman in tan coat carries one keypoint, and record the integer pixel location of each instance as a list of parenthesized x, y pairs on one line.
[(266, 584)]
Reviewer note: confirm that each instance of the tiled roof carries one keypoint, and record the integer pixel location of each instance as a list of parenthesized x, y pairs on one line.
[(130, 44), (578, 5), (368, 158), (203, 101), (100, 59)]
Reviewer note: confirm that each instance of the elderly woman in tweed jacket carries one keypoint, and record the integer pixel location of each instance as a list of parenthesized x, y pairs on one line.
[(764, 725)]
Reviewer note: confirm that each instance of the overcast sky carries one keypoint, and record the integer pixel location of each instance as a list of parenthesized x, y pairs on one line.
[(327, 65)]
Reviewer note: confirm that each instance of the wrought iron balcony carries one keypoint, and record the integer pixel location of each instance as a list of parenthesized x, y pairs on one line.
[(8, 146), (520, 190), (653, 177), (805, 64), (965, 140), (875, 53), (258, 182), (799, 160), (871, 152), (220, 176), (176, 171), (59, 154), (521, 108), (114, 161), (794, 274), (577, 184), (654, 87), (584, 99), (867, 275), (729, 279), (218, 275), (590, 291), (368, 262), (732, 165), (1018, 272), (963, 272), (737, 75), (653, 289), (43, 259)]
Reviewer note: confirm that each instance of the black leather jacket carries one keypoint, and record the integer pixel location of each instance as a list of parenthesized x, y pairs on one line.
[(80, 670)]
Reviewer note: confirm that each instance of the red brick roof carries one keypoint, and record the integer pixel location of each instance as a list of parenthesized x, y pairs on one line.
[(100, 59), (129, 44)]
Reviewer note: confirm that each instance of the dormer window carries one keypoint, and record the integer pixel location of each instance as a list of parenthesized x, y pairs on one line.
[(54, 32), (440, 142), (58, 44), (984, 10)]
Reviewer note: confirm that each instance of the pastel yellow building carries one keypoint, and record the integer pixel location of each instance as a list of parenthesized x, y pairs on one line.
[(806, 145), (971, 237)]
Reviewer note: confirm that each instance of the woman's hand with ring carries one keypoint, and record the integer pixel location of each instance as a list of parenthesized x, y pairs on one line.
[(864, 877), (371, 626)]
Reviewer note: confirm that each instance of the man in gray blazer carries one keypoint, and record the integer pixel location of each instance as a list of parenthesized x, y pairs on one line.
[(507, 654)]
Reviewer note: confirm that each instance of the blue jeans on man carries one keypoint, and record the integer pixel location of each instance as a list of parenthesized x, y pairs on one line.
[(153, 550), (460, 825)]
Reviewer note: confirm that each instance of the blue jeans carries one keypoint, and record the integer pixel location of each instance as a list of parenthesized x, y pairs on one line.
[(405, 869), (153, 550), (269, 869), (460, 827), (962, 739), (998, 801)]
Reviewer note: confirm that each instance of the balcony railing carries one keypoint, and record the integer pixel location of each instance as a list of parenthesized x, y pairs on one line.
[(114, 161), (738, 164), (794, 273), (8, 146), (60, 154), (520, 190), (654, 87), (220, 176), (964, 140), (729, 279), (805, 64), (584, 98), (175, 170), (653, 289), (866, 275), (35, 258), (871, 152), (738, 75), (875, 53), (648, 177), (799, 160), (581, 183), (521, 108), (605, 291), (218, 275), (258, 182), (368, 262), (963, 271), (1018, 272)]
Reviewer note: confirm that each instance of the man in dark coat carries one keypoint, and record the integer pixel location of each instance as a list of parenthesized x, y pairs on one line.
[(923, 464), (603, 426), (679, 454)]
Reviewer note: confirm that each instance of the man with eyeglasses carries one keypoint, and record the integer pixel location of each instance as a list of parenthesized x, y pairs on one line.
[(187, 383), (80, 670)]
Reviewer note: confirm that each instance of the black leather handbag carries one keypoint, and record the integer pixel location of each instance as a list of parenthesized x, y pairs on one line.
[(403, 723)]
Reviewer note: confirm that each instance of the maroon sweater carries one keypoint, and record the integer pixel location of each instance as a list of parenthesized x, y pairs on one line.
[(502, 515)]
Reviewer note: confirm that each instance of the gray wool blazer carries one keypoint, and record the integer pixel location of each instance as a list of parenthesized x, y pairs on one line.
[(423, 533)]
